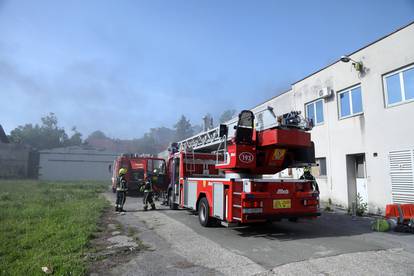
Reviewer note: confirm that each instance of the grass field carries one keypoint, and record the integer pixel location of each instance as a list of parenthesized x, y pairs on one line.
[(47, 224)]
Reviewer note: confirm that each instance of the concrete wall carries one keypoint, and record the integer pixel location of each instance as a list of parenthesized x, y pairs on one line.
[(14, 160), (75, 163), (379, 129)]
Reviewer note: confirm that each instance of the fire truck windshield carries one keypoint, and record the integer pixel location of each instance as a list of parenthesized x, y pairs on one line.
[(159, 166)]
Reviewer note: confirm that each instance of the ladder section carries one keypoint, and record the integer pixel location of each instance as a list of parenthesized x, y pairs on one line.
[(237, 201), (204, 140)]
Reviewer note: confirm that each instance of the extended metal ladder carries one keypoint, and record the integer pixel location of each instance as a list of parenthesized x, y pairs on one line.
[(211, 140), (206, 139)]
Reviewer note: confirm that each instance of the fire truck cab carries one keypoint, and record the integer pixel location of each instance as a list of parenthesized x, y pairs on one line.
[(228, 182), (139, 167)]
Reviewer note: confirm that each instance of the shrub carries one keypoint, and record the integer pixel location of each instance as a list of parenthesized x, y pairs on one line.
[(361, 207)]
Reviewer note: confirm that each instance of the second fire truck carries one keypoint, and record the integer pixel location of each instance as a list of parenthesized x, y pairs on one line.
[(139, 167)]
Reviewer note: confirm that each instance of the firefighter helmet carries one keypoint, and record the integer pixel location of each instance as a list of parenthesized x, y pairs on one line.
[(306, 169), (122, 171)]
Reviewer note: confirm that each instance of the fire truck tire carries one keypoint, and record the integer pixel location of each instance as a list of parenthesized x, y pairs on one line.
[(173, 206), (203, 213), (293, 219)]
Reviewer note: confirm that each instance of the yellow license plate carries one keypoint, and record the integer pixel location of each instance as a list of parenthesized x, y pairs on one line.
[(281, 203)]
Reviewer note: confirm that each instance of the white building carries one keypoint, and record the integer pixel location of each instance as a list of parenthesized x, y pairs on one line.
[(364, 122), (76, 163)]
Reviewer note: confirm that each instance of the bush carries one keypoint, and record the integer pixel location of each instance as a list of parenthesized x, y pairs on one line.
[(380, 225), (361, 207)]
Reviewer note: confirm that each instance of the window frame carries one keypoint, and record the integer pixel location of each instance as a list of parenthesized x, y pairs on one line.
[(314, 111), (402, 86), (319, 167), (343, 91)]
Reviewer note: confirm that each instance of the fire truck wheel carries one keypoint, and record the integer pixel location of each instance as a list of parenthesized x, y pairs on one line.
[(173, 206), (293, 219), (203, 213)]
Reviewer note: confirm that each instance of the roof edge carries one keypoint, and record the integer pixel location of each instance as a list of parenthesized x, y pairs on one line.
[(280, 94), (330, 64), (356, 51)]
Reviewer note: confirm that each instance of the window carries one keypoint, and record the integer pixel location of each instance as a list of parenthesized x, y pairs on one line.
[(360, 166), (322, 166), (399, 86), (314, 111), (350, 102), (159, 165)]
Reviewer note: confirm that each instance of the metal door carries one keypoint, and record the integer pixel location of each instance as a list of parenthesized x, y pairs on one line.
[(218, 200), (190, 194), (361, 180)]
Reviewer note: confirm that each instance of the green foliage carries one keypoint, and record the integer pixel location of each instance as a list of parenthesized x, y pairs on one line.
[(47, 224), (227, 115), (97, 134), (328, 208), (162, 136), (45, 136), (146, 144), (75, 139), (361, 207), (183, 129), (380, 225)]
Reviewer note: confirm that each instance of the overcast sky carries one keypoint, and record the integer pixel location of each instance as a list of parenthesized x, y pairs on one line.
[(126, 66)]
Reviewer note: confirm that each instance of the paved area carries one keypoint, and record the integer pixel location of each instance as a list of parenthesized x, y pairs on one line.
[(334, 244)]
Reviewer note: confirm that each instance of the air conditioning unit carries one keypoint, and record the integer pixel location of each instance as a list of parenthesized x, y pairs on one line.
[(325, 92)]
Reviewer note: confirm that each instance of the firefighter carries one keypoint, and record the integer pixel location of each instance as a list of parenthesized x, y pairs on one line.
[(121, 190), (308, 176), (148, 193)]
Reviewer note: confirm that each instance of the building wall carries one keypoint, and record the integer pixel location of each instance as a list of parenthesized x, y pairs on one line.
[(379, 129), (14, 161), (75, 163)]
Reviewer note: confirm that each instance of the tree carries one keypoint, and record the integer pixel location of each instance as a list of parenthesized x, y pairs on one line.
[(162, 136), (75, 139), (46, 136), (227, 115), (183, 129), (197, 129), (207, 122), (27, 134), (97, 134)]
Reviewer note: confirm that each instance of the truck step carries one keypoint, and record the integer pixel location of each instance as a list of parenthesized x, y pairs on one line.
[(229, 224)]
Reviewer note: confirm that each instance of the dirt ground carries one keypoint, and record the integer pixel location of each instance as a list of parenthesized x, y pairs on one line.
[(127, 245), (172, 242), (114, 245)]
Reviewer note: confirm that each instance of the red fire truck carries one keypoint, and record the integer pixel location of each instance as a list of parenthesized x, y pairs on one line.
[(138, 168), (224, 173)]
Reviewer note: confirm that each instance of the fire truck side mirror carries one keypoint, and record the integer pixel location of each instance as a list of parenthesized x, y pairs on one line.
[(223, 130)]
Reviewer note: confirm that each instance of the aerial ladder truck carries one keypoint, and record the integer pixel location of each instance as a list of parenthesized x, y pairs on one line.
[(225, 173)]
